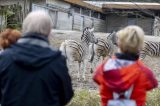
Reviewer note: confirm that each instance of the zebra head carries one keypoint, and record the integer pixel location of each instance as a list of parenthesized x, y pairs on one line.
[(113, 38), (157, 19), (88, 35)]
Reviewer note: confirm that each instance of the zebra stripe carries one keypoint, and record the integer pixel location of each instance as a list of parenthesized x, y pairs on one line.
[(88, 36), (151, 49), (78, 51), (78, 48), (103, 47)]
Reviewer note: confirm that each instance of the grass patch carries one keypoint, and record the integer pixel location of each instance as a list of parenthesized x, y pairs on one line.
[(92, 98), (153, 98), (85, 98)]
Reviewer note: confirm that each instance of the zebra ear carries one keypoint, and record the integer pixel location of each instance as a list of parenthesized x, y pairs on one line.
[(92, 29)]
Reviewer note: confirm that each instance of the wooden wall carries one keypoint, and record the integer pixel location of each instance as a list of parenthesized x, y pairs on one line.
[(116, 22)]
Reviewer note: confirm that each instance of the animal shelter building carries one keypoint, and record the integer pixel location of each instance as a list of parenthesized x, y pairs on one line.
[(78, 14)]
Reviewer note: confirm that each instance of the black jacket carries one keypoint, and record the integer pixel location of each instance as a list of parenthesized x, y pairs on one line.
[(34, 74)]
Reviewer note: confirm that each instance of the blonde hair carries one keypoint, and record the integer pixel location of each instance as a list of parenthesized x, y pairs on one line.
[(131, 39), (37, 22), (9, 37)]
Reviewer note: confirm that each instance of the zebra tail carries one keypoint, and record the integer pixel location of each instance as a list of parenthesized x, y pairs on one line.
[(63, 49)]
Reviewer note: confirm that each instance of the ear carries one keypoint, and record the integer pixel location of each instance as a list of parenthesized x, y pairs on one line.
[(92, 29)]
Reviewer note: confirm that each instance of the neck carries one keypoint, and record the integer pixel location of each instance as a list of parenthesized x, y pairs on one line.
[(85, 42), (127, 56), (85, 45)]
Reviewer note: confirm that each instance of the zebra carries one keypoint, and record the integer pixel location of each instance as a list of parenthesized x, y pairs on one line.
[(156, 26), (78, 51), (150, 48), (103, 48)]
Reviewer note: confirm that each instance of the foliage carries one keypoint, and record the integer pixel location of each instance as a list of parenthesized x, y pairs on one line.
[(92, 98), (12, 14)]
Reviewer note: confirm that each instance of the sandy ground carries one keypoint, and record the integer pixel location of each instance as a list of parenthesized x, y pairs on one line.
[(58, 36)]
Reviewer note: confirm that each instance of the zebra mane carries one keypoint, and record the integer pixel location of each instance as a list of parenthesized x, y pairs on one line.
[(112, 36), (84, 30)]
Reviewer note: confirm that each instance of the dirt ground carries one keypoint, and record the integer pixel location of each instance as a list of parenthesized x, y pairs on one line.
[(58, 36)]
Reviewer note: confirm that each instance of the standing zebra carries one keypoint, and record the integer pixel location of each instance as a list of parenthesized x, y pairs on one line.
[(102, 48), (75, 51), (151, 49)]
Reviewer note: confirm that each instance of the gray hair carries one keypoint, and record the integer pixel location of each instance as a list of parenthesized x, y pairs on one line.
[(38, 22)]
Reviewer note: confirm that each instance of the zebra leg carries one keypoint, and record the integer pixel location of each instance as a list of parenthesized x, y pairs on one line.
[(95, 62), (79, 67), (84, 70), (92, 67), (99, 59)]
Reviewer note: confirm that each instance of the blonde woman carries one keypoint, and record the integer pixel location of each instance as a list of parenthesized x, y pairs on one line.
[(125, 71)]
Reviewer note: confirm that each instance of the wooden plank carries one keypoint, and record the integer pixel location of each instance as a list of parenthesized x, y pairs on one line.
[(146, 24), (100, 25), (77, 22), (130, 5), (84, 4), (87, 22)]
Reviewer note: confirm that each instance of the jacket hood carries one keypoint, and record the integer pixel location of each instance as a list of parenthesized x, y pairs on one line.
[(34, 51), (120, 74)]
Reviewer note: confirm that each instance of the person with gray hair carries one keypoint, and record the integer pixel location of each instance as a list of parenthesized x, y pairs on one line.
[(32, 72), (37, 22)]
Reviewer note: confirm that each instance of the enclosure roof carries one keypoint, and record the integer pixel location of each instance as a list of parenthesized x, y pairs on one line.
[(84, 4), (131, 5)]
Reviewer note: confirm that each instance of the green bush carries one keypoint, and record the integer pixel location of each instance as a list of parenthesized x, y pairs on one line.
[(12, 16), (92, 98)]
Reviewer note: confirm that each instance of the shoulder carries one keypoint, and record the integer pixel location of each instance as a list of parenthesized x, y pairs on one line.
[(148, 76), (59, 60), (60, 57), (147, 72), (6, 54), (144, 69)]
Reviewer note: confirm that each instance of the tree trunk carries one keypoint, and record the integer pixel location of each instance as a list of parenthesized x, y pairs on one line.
[(30, 5)]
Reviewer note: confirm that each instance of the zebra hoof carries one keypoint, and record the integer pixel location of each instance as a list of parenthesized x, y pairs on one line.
[(78, 79), (84, 79), (91, 70)]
